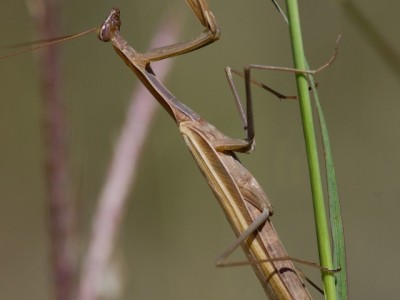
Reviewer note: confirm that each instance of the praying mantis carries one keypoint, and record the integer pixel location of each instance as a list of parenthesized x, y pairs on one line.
[(242, 199)]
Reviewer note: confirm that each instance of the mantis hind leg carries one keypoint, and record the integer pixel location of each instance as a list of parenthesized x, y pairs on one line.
[(259, 221)]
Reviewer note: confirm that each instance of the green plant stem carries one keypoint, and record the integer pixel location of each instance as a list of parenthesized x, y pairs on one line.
[(322, 228), (335, 216)]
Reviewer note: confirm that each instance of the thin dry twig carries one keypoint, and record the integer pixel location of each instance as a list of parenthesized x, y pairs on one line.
[(61, 209), (122, 172)]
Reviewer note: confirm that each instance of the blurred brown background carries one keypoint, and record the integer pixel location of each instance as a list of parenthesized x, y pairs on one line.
[(173, 228)]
